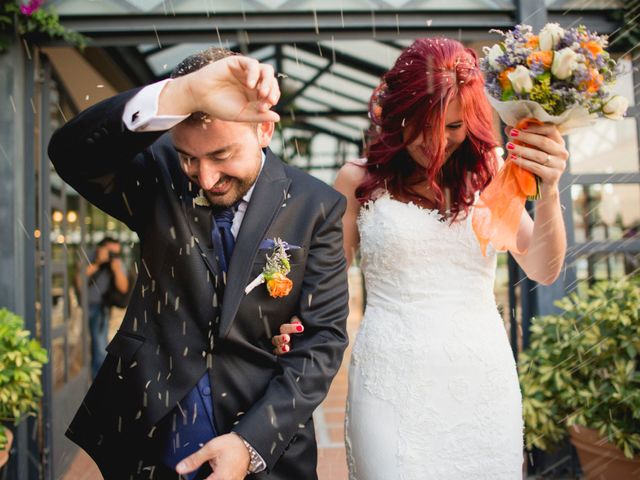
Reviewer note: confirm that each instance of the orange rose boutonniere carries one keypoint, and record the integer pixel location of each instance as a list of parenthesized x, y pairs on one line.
[(279, 285), (275, 272)]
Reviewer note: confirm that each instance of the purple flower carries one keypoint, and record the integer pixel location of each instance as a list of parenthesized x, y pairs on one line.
[(537, 68), (30, 7)]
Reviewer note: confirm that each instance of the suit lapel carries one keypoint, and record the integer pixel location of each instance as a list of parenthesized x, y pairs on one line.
[(268, 196)]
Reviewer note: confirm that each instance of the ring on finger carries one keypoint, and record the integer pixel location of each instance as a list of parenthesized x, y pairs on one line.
[(547, 160)]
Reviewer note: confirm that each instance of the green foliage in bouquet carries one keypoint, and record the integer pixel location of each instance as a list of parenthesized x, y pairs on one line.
[(582, 368), (30, 18), (21, 361)]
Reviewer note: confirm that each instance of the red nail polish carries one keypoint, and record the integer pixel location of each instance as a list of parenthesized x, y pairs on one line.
[(510, 146), (299, 328), (285, 348), (513, 156), (514, 132)]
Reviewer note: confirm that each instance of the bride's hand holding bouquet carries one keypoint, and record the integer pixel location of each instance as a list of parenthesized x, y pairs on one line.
[(543, 85)]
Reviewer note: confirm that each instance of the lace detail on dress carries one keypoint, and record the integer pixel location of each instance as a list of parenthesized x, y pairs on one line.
[(432, 344)]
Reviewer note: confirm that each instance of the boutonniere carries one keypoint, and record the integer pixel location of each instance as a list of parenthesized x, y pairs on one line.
[(275, 272)]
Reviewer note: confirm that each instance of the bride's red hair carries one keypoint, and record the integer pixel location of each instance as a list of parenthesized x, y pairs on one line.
[(414, 95)]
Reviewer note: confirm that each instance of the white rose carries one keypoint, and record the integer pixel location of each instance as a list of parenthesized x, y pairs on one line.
[(520, 79), (492, 54), (616, 107), (550, 35), (564, 63)]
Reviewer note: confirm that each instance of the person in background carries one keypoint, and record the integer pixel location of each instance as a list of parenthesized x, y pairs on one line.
[(105, 274)]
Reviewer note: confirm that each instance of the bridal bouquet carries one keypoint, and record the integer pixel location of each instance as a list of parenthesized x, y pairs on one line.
[(560, 76)]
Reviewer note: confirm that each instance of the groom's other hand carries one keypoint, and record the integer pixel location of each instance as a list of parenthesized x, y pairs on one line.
[(235, 88), (227, 455), (282, 342)]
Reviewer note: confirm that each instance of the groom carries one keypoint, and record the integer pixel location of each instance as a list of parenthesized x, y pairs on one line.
[(190, 382)]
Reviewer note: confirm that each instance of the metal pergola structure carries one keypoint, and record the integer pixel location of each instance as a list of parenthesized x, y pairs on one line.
[(312, 35)]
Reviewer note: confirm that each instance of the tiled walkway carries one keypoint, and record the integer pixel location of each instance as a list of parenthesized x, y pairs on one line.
[(329, 417)]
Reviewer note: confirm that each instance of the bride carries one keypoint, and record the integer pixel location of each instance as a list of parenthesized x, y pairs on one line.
[(433, 387)]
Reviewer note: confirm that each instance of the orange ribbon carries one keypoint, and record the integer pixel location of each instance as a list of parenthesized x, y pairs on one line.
[(496, 216)]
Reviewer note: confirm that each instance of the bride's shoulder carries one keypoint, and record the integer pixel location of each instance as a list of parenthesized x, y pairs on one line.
[(351, 174)]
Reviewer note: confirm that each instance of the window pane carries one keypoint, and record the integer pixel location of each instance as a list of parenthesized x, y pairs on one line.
[(605, 212), (606, 147)]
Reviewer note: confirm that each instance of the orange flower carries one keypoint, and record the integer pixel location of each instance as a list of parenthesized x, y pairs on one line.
[(594, 47), (279, 285), (533, 42), (505, 83), (593, 84), (542, 56)]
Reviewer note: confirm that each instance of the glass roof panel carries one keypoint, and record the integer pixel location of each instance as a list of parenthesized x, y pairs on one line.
[(332, 126), (298, 70), (163, 61), (305, 104), (356, 74), (300, 56), (373, 52), (582, 4), (335, 84), (337, 100), (349, 126), (212, 7), (462, 5)]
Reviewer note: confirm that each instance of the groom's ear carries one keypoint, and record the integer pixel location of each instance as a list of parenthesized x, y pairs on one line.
[(265, 133)]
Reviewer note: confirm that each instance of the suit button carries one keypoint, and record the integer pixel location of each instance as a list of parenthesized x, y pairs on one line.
[(206, 391)]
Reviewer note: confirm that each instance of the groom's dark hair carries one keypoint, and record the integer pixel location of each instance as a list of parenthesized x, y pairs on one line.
[(200, 59)]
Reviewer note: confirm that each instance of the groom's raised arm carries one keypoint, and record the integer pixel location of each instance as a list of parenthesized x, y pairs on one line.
[(104, 161), (307, 371), (103, 154)]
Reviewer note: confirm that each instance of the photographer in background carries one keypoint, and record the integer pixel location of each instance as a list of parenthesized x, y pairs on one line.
[(108, 286)]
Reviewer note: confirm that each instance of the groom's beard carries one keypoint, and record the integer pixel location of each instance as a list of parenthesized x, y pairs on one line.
[(237, 188)]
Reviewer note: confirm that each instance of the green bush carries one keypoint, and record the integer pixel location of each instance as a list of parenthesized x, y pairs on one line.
[(21, 360), (582, 368)]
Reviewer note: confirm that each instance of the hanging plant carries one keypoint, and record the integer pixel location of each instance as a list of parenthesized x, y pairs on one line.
[(29, 17)]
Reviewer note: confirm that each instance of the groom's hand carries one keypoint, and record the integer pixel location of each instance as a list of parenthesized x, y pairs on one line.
[(227, 455), (234, 88), (282, 342)]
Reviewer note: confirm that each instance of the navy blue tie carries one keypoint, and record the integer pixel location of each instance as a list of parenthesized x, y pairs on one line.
[(193, 419), (223, 239)]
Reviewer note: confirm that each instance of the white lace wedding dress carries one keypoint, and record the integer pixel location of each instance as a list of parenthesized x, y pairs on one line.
[(433, 388)]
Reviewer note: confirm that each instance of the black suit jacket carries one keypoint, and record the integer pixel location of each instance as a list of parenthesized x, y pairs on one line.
[(171, 335)]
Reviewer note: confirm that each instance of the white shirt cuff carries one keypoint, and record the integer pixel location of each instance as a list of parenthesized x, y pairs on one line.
[(141, 112)]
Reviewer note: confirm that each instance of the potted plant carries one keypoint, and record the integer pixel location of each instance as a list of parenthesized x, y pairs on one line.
[(21, 360), (580, 376)]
